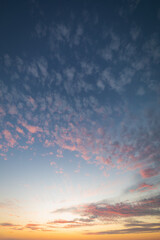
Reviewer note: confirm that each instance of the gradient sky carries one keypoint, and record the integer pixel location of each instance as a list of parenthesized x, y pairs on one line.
[(79, 120)]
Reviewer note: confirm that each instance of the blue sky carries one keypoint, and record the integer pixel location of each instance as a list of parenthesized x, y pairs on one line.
[(79, 117)]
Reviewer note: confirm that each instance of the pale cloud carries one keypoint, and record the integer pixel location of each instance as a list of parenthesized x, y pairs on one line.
[(135, 32), (78, 35), (88, 68), (12, 110), (119, 82), (70, 72), (59, 171), (58, 78), (62, 32), (115, 41), (41, 30), (7, 60), (109, 78), (59, 153), (30, 140), (107, 54), (101, 84), (112, 46), (104, 160), (133, 4), (58, 33), (48, 143), (152, 49), (8, 204), (20, 64), (43, 67), (33, 70), (2, 112), (141, 91), (31, 102)]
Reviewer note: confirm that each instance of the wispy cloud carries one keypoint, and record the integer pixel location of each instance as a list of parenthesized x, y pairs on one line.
[(33, 226), (143, 187), (8, 225), (149, 172), (75, 223), (30, 128), (105, 211), (128, 230)]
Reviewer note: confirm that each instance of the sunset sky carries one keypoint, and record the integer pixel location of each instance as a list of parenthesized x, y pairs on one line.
[(79, 120)]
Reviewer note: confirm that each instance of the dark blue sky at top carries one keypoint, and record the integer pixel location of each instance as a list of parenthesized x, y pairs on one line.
[(18, 19), (27, 31)]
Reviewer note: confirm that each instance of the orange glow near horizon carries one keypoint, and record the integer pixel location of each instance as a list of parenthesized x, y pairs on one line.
[(20, 235)]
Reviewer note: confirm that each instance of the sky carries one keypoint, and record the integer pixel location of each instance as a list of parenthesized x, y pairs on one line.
[(79, 120)]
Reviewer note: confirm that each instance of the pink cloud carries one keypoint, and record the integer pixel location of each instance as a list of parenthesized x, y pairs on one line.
[(101, 131), (2, 112), (101, 167), (30, 140), (33, 226), (48, 143), (61, 221), (10, 124), (32, 129), (75, 225), (12, 110), (149, 172), (85, 157), (59, 153), (32, 102), (3, 155), (60, 171), (120, 160), (105, 174), (8, 136), (104, 160), (68, 147), (23, 147), (52, 163), (18, 129), (143, 187), (127, 149)]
